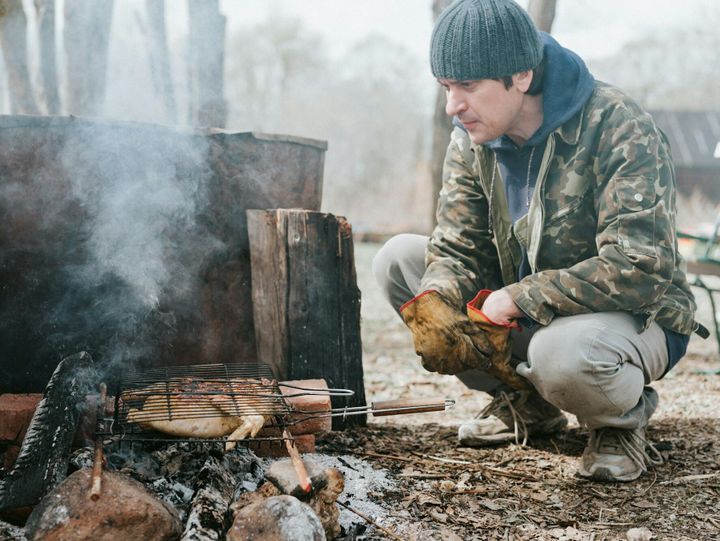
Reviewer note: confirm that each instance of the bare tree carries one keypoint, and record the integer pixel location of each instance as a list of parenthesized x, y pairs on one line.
[(86, 37), (206, 63), (159, 57), (442, 126), (45, 10), (543, 13), (13, 37)]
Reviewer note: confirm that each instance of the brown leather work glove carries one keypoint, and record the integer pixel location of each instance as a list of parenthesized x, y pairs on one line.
[(445, 339), (499, 336)]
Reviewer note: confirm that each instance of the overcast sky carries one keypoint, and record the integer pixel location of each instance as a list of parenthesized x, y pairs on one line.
[(593, 28)]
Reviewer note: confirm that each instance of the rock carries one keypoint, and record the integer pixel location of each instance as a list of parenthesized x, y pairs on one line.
[(125, 510), (277, 518), (282, 474), (327, 485)]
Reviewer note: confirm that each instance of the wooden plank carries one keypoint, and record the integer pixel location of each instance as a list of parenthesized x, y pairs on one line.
[(306, 303)]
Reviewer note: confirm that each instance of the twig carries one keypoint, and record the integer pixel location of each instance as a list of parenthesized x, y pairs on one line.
[(377, 455), (423, 475), (649, 486), (370, 521), (450, 460), (96, 477), (557, 449), (299, 465), (687, 478)]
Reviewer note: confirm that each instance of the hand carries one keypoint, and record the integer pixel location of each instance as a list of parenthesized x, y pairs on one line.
[(499, 336), (500, 308)]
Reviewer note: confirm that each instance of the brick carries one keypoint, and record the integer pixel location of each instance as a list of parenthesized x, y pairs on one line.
[(305, 443), (16, 411)]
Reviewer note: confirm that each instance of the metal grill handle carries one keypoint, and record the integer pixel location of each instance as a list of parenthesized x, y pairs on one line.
[(409, 405)]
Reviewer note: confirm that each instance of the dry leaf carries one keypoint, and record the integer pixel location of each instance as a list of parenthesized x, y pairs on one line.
[(639, 534), (539, 496), (449, 535), (489, 504), (428, 499), (446, 486), (462, 483), (437, 515)]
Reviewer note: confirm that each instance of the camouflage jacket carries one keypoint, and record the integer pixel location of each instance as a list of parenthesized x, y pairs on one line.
[(600, 229)]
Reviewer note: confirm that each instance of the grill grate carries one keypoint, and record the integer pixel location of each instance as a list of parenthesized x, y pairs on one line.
[(180, 397)]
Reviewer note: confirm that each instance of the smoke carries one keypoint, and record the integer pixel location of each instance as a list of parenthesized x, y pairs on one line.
[(142, 192)]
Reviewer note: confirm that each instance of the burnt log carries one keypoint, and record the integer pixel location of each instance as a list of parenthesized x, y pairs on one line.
[(306, 303), (129, 240), (214, 487), (45, 453)]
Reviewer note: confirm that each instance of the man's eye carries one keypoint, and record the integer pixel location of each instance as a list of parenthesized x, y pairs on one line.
[(465, 84)]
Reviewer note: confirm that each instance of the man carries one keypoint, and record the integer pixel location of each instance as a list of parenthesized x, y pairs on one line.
[(559, 197)]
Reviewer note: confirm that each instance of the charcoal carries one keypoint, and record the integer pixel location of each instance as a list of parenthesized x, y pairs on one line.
[(8, 532), (213, 492)]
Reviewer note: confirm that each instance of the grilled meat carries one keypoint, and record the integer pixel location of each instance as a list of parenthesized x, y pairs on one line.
[(187, 408)]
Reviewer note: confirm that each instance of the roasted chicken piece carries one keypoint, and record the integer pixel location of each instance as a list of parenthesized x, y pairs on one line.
[(186, 408)]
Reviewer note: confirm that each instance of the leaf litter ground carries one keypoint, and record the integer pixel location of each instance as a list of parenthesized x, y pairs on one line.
[(442, 491)]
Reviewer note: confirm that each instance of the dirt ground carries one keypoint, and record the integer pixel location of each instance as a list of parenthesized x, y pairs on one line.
[(443, 491)]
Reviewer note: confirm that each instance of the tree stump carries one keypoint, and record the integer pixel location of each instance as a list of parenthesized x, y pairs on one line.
[(306, 303)]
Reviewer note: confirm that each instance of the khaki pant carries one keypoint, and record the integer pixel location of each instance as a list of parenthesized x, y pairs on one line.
[(595, 366)]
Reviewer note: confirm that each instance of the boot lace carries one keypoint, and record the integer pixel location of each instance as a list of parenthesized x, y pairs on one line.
[(629, 443), (505, 406)]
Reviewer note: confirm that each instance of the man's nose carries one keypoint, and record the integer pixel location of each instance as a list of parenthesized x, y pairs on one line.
[(455, 102)]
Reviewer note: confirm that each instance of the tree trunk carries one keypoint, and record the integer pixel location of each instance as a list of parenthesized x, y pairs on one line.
[(45, 10), (87, 37), (543, 13), (206, 63), (306, 303), (160, 58), (442, 126), (13, 37)]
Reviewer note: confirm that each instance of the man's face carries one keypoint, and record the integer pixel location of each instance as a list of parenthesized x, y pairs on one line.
[(485, 107)]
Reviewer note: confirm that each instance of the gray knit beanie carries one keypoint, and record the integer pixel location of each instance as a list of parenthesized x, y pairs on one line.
[(483, 39)]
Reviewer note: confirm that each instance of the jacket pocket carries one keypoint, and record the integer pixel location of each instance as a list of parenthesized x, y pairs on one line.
[(635, 199)]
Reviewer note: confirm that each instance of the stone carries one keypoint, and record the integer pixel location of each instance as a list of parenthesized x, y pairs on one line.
[(124, 510), (327, 485), (277, 518), (282, 474)]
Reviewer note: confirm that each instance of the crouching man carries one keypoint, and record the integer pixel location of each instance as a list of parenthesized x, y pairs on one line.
[(552, 280)]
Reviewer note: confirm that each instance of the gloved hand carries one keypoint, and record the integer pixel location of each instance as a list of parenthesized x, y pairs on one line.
[(445, 339), (499, 337)]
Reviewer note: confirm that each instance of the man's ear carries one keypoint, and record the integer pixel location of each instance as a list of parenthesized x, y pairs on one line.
[(522, 80)]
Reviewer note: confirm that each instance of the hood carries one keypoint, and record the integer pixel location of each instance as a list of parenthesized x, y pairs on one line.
[(567, 85)]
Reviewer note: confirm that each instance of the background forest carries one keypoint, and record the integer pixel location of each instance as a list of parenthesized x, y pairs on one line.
[(269, 66)]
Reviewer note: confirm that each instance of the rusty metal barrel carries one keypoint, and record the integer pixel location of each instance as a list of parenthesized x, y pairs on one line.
[(129, 240)]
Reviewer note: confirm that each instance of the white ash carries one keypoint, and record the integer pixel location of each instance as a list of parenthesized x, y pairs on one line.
[(363, 484)]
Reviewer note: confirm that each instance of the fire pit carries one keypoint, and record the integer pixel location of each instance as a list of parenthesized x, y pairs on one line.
[(196, 485)]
